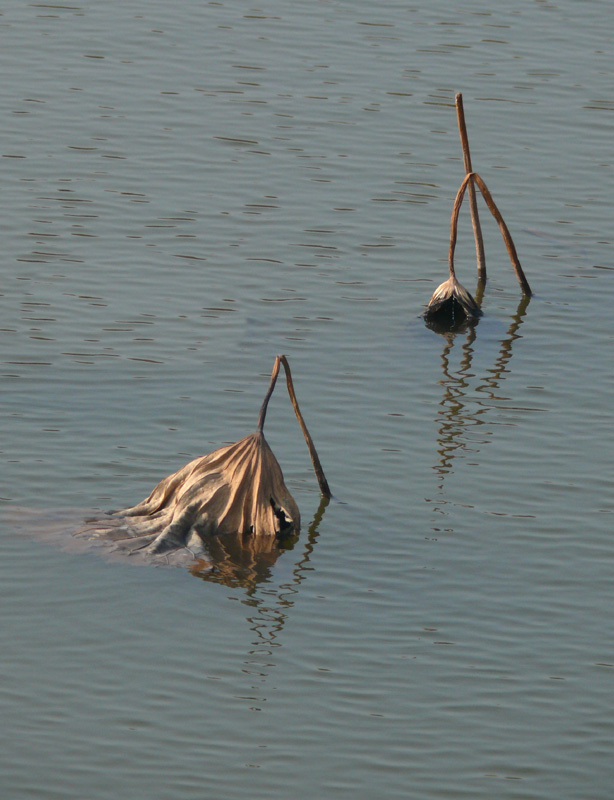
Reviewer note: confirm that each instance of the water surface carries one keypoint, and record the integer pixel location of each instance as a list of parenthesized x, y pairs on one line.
[(189, 190)]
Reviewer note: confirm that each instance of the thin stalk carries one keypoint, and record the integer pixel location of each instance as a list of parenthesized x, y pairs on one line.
[(265, 403), (473, 205), (317, 467), (479, 293), (507, 238), (454, 222)]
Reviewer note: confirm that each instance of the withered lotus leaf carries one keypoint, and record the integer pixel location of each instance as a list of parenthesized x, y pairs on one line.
[(237, 490)]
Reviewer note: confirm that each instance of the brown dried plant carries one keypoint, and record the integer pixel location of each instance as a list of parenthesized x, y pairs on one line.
[(450, 299), (451, 302), (238, 489)]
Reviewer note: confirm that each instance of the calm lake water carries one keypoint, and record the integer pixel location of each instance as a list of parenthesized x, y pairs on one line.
[(191, 188)]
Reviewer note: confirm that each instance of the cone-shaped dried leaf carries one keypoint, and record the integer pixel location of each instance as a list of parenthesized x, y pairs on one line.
[(452, 301), (236, 493), (236, 489)]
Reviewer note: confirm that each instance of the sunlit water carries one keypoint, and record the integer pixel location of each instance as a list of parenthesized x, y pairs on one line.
[(189, 189)]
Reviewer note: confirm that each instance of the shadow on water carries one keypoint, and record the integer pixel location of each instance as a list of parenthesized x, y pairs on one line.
[(456, 417)]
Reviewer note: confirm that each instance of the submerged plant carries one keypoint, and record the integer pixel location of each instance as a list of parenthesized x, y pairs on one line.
[(237, 489)]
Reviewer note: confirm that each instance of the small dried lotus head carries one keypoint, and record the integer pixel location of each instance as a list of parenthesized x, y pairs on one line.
[(236, 489), (451, 301)]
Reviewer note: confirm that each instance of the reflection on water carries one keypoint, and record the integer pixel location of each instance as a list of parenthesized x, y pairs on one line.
[(239, 561), (456, 417), (236, 561)]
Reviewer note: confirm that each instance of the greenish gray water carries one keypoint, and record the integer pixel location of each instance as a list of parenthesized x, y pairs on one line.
[(190, 189)]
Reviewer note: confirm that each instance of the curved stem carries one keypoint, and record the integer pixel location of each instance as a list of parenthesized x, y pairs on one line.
[(454, 222), (265, 403), (317, 467), (473, 205), (524, 284)]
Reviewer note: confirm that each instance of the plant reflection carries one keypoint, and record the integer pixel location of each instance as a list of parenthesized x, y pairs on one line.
[(241, 560), (237, 562), (454, 417), (239, 565)]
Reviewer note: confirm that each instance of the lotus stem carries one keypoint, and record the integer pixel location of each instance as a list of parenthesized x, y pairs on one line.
[(317, 466), (473, 205), (454, 222), (507, 238), (265, 402), (315, 460)]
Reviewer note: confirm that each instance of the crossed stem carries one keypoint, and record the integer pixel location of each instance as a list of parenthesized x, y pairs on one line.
[(474, 179)]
